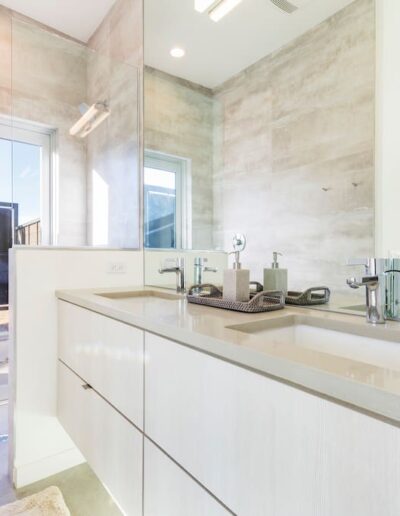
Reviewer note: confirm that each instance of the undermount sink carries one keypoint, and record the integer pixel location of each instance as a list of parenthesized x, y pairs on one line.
[(135, 294), (355, 308), (358, 342)]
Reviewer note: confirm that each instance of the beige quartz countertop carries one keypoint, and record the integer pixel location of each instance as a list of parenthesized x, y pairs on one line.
[(365, 375)]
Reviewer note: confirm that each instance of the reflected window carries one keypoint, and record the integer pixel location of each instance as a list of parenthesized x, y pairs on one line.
[(24, 191), (165, 199), (24, 181)]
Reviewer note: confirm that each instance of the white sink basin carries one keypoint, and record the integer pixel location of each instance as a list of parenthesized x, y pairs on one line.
[(361, 342)]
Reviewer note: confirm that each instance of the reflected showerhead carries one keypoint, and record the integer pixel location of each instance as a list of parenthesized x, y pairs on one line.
[(92, 117)]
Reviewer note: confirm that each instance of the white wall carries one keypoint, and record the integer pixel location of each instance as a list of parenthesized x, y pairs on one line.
[(387, 200), (38, 443)]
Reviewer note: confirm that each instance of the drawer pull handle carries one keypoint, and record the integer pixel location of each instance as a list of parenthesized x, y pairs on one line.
[(87, 387)]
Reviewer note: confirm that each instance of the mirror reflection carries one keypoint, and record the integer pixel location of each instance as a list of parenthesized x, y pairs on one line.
[(260, 120), (69, 124)]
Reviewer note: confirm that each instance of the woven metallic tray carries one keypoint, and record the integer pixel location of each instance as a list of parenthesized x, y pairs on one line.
[(311, 296), (210, 295)]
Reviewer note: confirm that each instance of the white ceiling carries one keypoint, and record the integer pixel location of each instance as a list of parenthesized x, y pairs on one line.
[(77, 18), (217, 51), (214, 51)]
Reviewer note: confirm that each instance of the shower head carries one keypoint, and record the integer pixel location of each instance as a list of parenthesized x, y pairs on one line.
[(91, 118)]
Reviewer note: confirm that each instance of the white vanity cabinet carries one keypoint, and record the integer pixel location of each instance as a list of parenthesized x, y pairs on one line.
[(172, 431), (108, 354), (112, 446), (263, 447), (169, 491)]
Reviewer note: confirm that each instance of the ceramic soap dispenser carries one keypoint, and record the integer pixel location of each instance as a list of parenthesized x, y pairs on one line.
[(237, 280), (276, 278)]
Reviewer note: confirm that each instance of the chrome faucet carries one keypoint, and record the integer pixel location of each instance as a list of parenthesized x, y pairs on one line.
[(200, 268), (179, 269), (374, 282)]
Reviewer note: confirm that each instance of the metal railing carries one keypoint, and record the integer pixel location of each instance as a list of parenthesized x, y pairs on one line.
[(28, 233)]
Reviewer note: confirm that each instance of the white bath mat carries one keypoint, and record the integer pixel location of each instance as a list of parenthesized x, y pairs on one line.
[(49, 502)]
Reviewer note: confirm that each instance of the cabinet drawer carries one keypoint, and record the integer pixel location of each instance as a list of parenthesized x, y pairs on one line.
[(169, 491), (263, 447), (214, 420), (112, 446), (108, 354)]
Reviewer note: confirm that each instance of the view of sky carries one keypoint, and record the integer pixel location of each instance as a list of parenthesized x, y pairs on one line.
[(20, 178), (161, 178)]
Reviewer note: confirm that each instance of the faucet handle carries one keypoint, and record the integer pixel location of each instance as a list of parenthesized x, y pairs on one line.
[(366, 281), (172, 262), (353, 283), (199, 261), (357, 261), (169, 260)]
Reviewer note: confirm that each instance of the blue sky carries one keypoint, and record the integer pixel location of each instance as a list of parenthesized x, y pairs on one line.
[(20, 178)]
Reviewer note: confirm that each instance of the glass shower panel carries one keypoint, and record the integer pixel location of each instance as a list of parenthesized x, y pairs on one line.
[(84, 97), (6, 212), (49, 83), (113, 154), (6, 215)]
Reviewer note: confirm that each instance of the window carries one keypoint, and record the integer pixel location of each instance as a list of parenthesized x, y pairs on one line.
[(166, 220), (25, 180)]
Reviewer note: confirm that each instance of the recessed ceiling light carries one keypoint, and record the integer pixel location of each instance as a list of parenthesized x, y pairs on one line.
[(222, 9), (177, 52)]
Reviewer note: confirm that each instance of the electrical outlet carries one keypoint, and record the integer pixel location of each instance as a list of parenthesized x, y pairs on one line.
[(116, 268)]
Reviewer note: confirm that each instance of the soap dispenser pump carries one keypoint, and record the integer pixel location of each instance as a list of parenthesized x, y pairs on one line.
[(237, 280), (276, 278), (275, 263)]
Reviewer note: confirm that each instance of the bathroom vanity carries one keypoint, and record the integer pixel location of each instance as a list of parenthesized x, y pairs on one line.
[(187, 410)]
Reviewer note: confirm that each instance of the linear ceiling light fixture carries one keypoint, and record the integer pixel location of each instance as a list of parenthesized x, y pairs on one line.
[(217, 9), (92, 118), (222, 9), (201, 6)]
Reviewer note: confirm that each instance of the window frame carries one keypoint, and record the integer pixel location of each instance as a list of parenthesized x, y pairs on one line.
[(29, 133), (181, 167)]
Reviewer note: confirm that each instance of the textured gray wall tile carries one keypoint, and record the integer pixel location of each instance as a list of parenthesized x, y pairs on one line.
[(298, 121), (179, 121), (48, 84)]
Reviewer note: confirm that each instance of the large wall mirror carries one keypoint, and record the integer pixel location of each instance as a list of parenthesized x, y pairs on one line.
[(260, 119), (69, 123)]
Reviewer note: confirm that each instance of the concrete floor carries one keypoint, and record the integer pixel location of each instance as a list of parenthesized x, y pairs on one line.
[(83, 492), (3, 381), (6, 492)]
